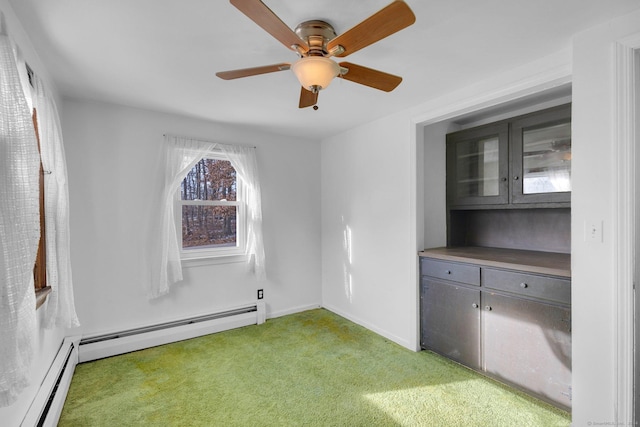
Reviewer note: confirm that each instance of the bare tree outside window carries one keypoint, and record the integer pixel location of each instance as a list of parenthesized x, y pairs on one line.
[(209, 205)]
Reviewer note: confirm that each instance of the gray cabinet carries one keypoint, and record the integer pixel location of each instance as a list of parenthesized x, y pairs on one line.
[(450, 324), (541, 157), (522, 160), (477, 166), (528, 344), (511, 325), (545, 288), (452, 271)]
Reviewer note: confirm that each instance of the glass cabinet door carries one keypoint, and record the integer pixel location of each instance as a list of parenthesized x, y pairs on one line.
[(541, 157), (477, 161)]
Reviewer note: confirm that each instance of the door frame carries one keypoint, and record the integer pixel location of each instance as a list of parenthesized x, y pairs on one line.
[(625, 137)]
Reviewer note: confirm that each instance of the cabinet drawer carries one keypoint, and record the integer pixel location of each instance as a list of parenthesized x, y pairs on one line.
[(462, 273), (543, 287)]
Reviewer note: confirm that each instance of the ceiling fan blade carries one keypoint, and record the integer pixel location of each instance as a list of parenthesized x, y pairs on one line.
[(307, 98), (259, 13), (370, 77), (246, 72), (391, 19)]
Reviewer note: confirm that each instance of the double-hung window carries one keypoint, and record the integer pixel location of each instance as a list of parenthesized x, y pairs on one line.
[(211, 213)]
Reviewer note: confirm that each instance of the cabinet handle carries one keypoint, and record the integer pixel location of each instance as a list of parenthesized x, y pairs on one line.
[(487, 307), (474, 305), (503, 179), (523, 285), (515, 178), (448, 271)]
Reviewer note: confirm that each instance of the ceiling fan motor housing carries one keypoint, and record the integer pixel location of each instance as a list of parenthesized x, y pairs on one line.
[(317, 34)]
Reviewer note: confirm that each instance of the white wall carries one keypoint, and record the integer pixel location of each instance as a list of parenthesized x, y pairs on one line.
[(593, 199), (112, 156), (366, 228), (48, 340)]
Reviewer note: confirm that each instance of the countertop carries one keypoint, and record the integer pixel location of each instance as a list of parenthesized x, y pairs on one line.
[(549, 263)]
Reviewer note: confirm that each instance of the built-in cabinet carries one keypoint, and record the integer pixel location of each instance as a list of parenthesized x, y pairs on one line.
[(498, 298), (526, 159), (512, 325)]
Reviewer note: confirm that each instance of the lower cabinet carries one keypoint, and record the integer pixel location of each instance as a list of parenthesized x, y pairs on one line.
[(512, 326), (528, 344), (450, 321)]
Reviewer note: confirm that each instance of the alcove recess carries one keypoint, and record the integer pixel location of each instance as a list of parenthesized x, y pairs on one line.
[(509, 183), (543, 229)]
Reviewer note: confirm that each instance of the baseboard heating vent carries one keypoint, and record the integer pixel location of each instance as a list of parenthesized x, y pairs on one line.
[(106, 345), (47, 406)]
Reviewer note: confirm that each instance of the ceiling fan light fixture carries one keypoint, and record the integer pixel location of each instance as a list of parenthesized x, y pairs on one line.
[(315, 72)]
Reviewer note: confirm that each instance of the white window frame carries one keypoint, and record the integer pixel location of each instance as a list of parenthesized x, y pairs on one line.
[(236, 253)]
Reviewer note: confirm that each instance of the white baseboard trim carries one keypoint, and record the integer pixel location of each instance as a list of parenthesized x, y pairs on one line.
[(398, 340), (294, 310)]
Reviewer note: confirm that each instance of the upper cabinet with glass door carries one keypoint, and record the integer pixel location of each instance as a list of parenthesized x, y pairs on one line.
[(541, 157), (477, 166), (526, 159)]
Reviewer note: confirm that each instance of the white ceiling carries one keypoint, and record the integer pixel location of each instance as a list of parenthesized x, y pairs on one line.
[(163, 54)]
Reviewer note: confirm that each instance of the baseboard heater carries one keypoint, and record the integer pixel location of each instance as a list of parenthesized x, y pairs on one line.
[(47, 406), (106, 345)]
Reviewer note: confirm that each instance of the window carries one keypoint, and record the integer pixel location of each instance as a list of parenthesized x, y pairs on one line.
[(40, 267), (211, 212)]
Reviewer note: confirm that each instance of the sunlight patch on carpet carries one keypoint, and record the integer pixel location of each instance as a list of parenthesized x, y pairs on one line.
[(433, 404)]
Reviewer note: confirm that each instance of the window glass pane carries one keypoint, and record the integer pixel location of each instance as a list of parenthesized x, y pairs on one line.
[(547, 159), (210, 179), (478, 168), (208, 227)]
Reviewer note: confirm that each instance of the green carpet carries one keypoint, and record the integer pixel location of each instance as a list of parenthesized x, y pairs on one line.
[(308, 369)]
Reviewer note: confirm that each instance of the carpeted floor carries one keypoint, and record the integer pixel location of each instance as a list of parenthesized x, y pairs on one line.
[(308, 369)]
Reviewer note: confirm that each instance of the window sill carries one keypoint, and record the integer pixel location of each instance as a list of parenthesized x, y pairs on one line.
[(41, 295), (204, 261)]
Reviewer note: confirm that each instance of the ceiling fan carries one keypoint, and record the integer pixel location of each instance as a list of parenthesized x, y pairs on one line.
[(316, 42)]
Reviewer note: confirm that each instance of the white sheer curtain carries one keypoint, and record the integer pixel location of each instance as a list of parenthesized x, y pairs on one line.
[(60, 307), (181, 155), (243, 159), (19, 228)]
